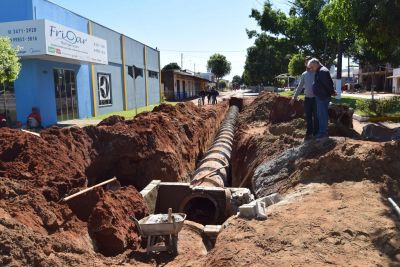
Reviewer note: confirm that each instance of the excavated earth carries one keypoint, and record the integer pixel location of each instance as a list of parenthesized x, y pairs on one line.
[(38, 229), (334, 209)]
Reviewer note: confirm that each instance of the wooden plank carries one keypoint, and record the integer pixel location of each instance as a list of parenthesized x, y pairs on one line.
[(88, 189)]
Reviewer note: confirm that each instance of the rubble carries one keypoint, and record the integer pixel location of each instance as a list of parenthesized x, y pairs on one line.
[(375, 132)]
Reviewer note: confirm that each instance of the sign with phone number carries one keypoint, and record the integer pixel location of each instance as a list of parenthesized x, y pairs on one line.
[(44, 37)]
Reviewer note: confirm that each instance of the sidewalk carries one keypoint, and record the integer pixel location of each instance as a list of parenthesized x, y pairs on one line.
[(367, 95)]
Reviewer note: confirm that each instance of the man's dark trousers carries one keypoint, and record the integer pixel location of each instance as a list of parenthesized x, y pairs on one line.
[(310, 109), (323, 116)]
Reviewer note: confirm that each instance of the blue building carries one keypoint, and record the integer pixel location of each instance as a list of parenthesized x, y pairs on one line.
[(73, 67)]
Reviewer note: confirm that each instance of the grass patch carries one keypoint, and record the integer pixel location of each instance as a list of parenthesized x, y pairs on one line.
[(129, 114), (287, 93), (364, 107)]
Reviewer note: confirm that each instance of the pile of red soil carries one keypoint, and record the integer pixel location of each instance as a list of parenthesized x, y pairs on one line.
[(343, 224), (37, 172), (108, 224), (161, 145), (272, 124)]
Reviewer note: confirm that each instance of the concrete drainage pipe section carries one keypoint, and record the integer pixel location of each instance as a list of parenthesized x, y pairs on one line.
[(213, 173), (218, 156)]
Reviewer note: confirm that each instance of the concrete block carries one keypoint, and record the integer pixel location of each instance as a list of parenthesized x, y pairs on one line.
[(269, 200), (248, 211), (261, 212), (150, 193), (212, 231)]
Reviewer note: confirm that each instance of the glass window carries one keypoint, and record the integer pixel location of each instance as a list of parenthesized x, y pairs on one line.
[(153, 74)]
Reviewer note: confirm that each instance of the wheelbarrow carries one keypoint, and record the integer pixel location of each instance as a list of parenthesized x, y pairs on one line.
[(163, 227)]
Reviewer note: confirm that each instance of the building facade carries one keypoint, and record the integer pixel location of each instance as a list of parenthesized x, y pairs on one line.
[(179, 85), (73, 67), (376, 77), (395, 81)]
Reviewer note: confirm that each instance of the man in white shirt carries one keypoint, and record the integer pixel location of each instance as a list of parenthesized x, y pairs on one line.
[(310, 104)]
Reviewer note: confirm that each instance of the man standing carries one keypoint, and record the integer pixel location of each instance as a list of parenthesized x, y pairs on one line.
[(310, 105), (323, 91)]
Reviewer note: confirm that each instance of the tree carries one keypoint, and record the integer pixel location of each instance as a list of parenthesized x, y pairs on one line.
[(303, 28), (9, 65), (219, 66), (171, 66), (301, 31), (369, 30), (237, 80), (222, 85), (373, 27), (296, 64), (267, 58), (9, 61)]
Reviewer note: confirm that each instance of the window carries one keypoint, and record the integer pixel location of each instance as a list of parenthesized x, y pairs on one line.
[(104, 89), (153, 74)]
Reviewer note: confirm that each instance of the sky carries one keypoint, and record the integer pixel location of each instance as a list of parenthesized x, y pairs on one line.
[(195, 28)]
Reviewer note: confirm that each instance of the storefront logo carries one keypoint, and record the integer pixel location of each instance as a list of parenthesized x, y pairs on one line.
[(68, 36)]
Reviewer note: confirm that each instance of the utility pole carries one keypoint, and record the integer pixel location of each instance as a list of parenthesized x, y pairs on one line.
[(181, 60), (339, 71), (348, 67)]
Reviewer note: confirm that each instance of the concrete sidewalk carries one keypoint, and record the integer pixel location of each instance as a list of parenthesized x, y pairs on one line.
[(368, 95)]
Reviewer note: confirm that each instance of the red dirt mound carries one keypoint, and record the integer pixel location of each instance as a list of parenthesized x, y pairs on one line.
[(272, 124), (109, 224), (160, 145), (37, 172), (272, 108)]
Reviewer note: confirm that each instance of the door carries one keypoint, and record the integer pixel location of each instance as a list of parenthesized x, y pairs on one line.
[(66, 95), (178, 90)]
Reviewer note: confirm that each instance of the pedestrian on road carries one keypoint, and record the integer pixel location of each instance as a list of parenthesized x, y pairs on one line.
[(323, 91), (202, 94), (209, 96), (214, 95), (310, 104)]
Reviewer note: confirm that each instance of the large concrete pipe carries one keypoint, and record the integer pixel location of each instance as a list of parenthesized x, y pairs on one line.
[(213, 169), (210, 201)]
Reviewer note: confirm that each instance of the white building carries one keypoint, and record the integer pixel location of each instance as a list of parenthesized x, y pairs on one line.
[(396, 81)]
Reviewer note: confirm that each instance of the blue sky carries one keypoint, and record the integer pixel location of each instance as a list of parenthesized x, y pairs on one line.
[(192, 27)]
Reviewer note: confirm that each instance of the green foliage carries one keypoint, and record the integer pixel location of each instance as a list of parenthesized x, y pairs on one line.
[(335, 13), (219, 65), (300, 32), (270, 20), (9, 61), (267, 58), (171, 66), (222, 85), (370, 28), (380, 107), (296, 64), (237, 80)]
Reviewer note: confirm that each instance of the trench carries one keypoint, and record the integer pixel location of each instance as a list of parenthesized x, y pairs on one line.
[(213, 171)]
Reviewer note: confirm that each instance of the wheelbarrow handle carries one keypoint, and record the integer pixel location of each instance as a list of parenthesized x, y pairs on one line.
[(136, 222)]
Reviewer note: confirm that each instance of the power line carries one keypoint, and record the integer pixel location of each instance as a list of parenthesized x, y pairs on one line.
[(203, 51)]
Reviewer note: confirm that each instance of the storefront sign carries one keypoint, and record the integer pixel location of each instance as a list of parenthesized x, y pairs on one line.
[(44, 37)]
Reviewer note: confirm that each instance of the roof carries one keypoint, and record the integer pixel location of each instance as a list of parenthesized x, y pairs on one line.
[(184, 73)]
